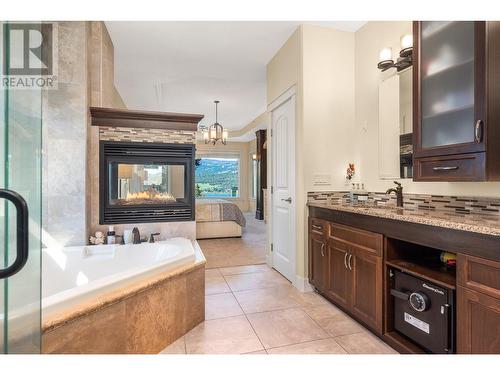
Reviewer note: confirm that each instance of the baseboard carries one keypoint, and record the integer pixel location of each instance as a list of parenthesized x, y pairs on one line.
[(302, 284)]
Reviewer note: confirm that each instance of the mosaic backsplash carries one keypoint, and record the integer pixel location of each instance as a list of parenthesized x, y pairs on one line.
[(450, 204), (122, 134)]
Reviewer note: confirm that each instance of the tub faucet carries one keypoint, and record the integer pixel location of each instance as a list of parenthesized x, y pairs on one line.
[(152, 237), (399, 193), (136, 235)]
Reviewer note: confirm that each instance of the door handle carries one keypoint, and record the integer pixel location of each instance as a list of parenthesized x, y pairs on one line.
[(478, 131), (349, 262), (345, 260), (401, 295), (22, 233), (289, 200), (322, 248)]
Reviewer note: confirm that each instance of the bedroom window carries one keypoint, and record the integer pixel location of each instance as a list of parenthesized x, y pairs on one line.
[(217, 176)]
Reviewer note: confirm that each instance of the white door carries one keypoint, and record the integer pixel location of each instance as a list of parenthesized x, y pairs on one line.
[(283, 184)]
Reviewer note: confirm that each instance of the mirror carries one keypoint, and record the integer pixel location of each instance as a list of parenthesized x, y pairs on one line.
[(395, 126)]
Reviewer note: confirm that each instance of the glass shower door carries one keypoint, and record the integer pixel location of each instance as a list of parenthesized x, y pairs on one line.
[(20, 201)]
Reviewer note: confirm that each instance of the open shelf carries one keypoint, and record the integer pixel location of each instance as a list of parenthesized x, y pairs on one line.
[(434, 272), (420, 261)]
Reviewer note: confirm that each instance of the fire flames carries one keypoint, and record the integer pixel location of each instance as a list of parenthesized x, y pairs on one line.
[(150, 196)]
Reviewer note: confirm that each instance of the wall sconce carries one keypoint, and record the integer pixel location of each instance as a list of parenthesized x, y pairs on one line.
[(405, 55)]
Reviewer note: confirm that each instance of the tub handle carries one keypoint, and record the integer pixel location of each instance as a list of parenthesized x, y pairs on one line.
[(22, 233)]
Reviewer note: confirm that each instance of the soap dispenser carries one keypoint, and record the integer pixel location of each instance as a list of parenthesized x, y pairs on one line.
[(111, 239)]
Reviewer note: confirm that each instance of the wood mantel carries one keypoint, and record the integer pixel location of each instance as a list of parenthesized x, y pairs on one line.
[(144, 119)]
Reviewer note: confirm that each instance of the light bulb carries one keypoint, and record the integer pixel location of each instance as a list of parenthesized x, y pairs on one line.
[(385, 54), (406, 41), (224, 135)]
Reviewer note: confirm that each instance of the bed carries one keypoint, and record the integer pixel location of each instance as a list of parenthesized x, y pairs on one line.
[(218, 218)]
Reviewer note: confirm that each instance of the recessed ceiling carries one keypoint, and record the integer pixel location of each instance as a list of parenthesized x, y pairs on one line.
[(185, 66)]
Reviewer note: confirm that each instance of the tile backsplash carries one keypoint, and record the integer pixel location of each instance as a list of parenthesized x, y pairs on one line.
[(450, 204)]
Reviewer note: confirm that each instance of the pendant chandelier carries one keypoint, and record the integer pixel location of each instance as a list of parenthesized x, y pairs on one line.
[(215, 132)]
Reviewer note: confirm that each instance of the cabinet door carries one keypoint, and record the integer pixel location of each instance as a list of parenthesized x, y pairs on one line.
[(318, 262), (478, 323), (449, 94), (338, 282), (366, 302)]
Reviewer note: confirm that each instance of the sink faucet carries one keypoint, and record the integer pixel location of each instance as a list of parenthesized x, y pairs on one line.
[(136, 235), (399, 193)]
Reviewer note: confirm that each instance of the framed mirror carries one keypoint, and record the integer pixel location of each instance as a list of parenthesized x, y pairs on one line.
[(396, 126)]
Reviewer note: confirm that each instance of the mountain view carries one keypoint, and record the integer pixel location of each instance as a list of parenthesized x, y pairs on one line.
[(216, 178)]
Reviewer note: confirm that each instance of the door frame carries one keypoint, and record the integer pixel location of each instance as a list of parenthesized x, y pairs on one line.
[(289, 94)]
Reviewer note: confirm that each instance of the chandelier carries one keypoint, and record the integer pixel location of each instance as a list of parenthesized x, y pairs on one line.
[(215, 132)]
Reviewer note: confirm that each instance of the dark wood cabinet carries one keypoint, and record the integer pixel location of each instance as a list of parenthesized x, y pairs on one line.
[(338, 285), (456, 82), (366, 295), (478, 305), (355, 278), (318, 255)]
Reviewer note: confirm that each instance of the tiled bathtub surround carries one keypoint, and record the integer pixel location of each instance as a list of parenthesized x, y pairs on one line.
[(146, 135), (444, 204), (140, 319)]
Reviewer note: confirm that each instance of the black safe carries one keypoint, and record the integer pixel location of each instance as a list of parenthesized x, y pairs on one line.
[(424, 312)]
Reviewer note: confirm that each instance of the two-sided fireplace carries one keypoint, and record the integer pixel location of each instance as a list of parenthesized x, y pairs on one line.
[(146, 182)]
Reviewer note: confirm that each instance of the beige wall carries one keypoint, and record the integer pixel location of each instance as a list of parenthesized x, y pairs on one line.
[(241, 149), (369, 40), (320, 63)]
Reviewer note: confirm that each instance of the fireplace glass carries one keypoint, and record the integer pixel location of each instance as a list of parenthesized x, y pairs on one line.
[(145, 184)]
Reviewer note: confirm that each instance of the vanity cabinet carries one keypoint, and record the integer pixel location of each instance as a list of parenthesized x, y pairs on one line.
[(456, 85), (478, 305), (318, 254), (345, 265)]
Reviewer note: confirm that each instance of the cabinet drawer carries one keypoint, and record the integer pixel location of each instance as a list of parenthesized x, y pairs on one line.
[(318, 226), (371, 242), (479, 274), (465, 167)]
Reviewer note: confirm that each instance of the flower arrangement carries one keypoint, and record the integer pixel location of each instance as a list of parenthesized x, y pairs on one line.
[(350, 171)]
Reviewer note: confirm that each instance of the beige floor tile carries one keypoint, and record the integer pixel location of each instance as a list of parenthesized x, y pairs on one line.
[(285, 327), (268, 299), (364, 343), (223, 336), (213, 272), (216, 285), (308, 299), (326, 346), (333, 320), (244, 269), (257, 352), (221, 306), (259, 280), (177, 347)]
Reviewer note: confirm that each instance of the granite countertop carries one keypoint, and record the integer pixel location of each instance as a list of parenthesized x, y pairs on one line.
[(483, 224)]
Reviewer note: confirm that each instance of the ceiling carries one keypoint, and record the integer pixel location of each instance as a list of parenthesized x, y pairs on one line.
[(177, 66)]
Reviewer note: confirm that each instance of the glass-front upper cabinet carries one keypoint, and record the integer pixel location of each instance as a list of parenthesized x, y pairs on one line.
[(451, 95)]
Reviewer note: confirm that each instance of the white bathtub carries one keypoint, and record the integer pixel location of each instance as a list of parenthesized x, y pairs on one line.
[(80, 274)]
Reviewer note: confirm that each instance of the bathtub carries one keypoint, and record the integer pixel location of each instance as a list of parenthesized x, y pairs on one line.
[(74, 276)]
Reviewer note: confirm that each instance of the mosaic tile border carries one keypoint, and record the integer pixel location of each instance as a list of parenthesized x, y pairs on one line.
[(147, 135), (442, 203)]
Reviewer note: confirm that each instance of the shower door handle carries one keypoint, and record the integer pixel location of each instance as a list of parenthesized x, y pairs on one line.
[(22, 233)]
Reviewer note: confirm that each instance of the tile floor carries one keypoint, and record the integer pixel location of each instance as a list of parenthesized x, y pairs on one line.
[(254, 310)]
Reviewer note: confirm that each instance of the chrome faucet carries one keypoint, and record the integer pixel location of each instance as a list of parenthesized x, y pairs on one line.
[(136, 235), (399, 193)]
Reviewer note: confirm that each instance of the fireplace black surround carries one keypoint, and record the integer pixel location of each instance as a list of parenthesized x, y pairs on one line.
[(146, 182)]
